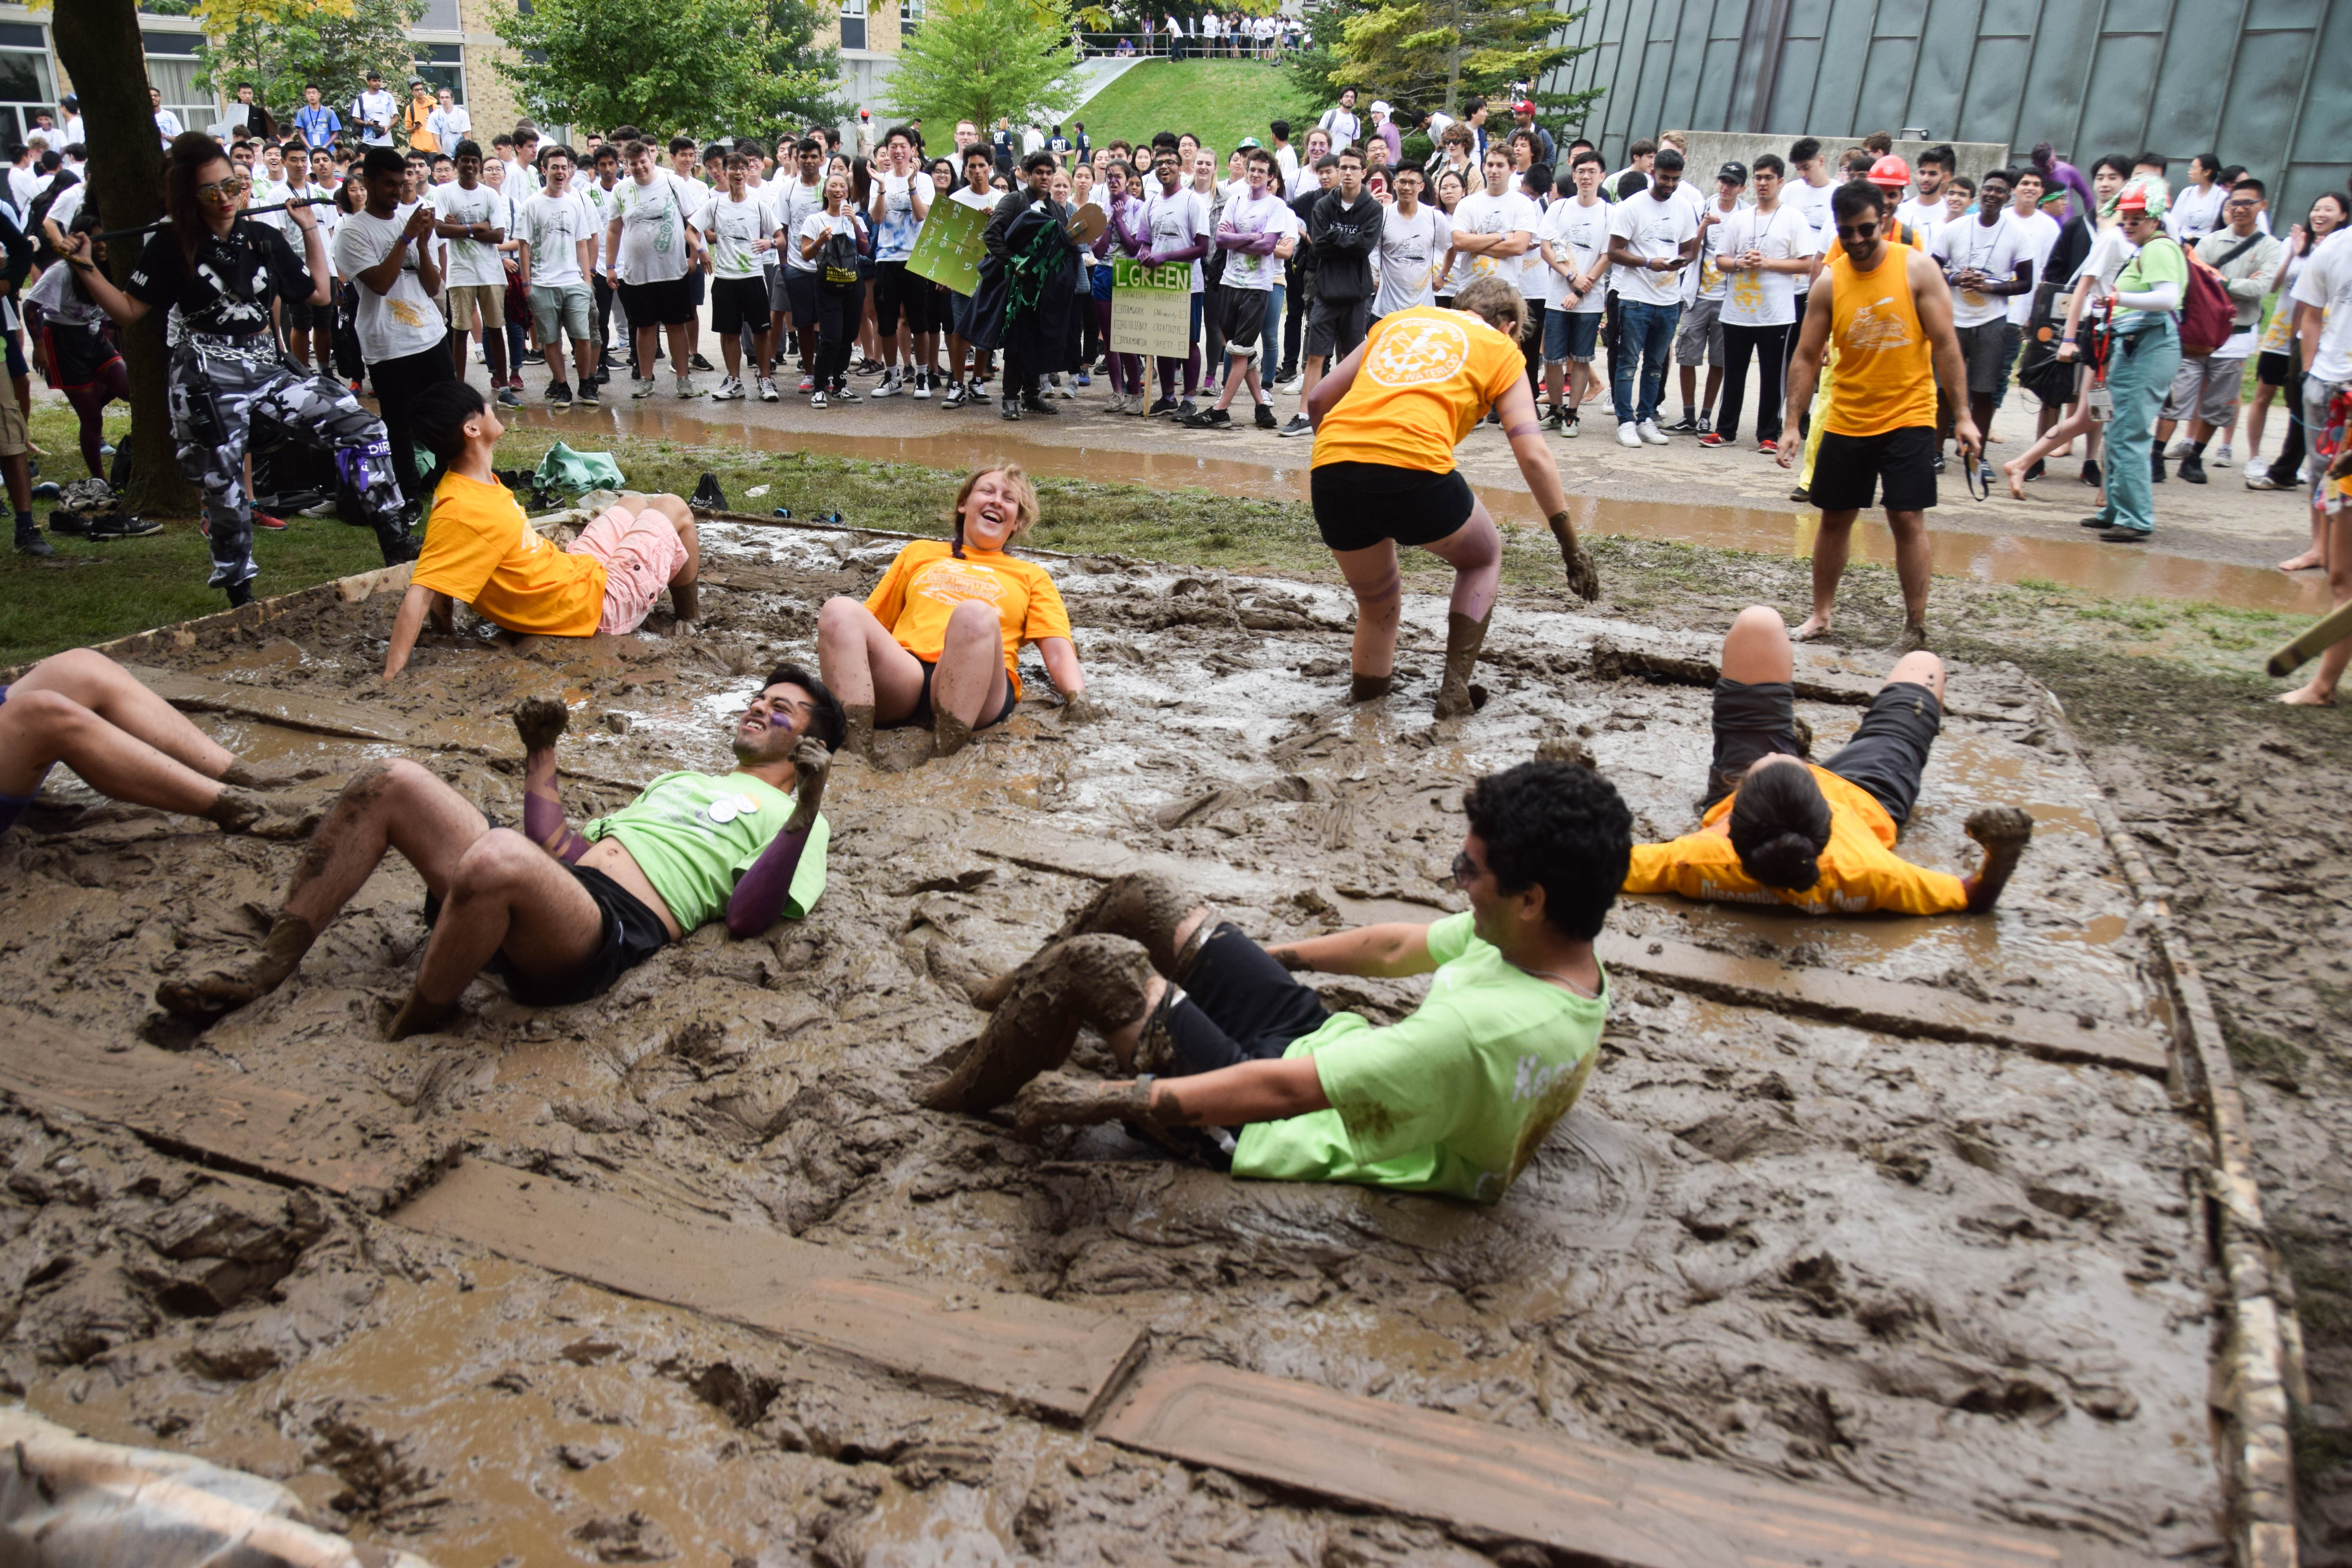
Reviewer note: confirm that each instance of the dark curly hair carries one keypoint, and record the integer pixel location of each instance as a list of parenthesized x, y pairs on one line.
[(1560, 826), (1780, 824), (831, 724)]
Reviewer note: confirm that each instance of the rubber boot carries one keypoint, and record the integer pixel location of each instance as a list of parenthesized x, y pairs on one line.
[(685, 601), (949, 734), (857, 738), (1463, 638), (1102, 981), (397, 543), (1370, 688), (221, 991)]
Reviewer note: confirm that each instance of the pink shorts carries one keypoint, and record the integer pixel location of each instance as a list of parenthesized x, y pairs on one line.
[(640, 553)]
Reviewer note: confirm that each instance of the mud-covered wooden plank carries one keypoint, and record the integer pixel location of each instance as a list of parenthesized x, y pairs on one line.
[(1054, 1360), (1630, 1511), (289, 710), (1887, 1006), (1068, 855), (212, 1114)]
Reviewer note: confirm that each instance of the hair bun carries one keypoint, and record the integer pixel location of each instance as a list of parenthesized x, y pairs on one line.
[(1786, 860)]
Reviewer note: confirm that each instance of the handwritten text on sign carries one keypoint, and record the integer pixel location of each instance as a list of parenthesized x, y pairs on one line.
[(1151, 309)]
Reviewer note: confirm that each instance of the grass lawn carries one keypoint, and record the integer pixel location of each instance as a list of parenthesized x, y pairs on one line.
[(1220, 101)]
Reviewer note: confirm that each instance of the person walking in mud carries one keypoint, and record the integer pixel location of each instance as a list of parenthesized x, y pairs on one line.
[(1386, 424), (939, 639), (81, 708), (1237, 1065), (1820, 838), (559, 913)]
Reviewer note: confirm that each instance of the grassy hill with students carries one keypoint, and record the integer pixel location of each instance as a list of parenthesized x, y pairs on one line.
[(1221, 102)]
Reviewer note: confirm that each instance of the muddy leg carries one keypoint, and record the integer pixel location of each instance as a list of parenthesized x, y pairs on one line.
[(866, 668), (108, 691), (1831, 545), (1463, 638), (541, 722), (1147, 908), (1372, 574), (1105, 981), (971, 678)]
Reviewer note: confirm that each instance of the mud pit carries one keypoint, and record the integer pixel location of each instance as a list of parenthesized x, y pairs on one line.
[(1957, 1277)]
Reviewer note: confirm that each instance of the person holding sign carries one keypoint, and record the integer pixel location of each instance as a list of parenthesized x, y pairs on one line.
[(1127, 234), (1178, 220), (1386, 424), (1031, 258)]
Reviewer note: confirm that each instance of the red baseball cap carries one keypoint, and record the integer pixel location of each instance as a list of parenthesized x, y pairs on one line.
[(1524, 105)]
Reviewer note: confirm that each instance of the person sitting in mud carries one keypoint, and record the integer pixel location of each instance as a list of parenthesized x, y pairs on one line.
[(1238, 1065), (561, 914), (1821, 837), (938, 641), (481, 549), (81, 708)]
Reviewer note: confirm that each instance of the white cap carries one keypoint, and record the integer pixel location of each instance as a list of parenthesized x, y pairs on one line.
[(1378, 107)]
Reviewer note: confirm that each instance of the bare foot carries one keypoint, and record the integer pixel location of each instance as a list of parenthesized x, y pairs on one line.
[(541, 722), (2308, 696), (1913, 640), (1814, 626), (2015, 474), (2310, 560)]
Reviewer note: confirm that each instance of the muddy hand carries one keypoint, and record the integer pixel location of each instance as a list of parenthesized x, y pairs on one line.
[(812, 762), (1080, 709), (1058, 1099), (2000, 827), (1583, 576), (541, 722)]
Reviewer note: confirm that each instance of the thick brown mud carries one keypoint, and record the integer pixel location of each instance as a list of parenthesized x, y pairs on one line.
[(1947, 1274)]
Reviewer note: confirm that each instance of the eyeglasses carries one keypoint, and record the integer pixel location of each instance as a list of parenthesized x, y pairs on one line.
[(1858, 231), (1465, 869), (222, 190)]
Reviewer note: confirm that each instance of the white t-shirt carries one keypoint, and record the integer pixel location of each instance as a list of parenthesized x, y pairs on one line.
[(1344, 125), (267, 192), (473, 263), (63, 211), (1175, 221), (2037, 236), (2327, 285), (450, 125), (792, 202), (374, 112), (2195, 213), (1267, 215), (1508, 214), (1753, 299), (1411, 249), (1812, 204), (553, 227), (732, 227), (1710, 280), (1990, 248), (403, 319), (1925, 213), (654, 217), (820, 224), (599, 206), (896, 228), (1655, 230), (1578, 237)]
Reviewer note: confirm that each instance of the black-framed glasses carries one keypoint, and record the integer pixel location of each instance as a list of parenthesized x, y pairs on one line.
[(1465, 869), (1858, 231)]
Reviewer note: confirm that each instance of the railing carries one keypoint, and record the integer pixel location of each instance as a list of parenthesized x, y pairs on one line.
[(1159, 44)]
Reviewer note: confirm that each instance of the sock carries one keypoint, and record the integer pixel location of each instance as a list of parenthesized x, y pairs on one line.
[(2196, 448)]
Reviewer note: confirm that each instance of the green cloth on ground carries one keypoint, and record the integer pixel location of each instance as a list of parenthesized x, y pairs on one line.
[(1456, 1099), (694, 859), (563, 469)]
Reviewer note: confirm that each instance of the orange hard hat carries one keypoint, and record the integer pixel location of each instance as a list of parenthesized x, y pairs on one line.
[(1890, 172)]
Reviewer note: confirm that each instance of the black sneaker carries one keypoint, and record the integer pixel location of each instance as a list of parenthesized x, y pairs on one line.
[(1164, 405), (2094, 523), (1266, 420), (533, 357), (2156, 466), (2192, 469), (1553, 419), (1012, 409), (1298, 425), (1035, 404), (71, 522), (1686, 425), (2035, 472), (1208, 419), (697, 362), (510, 399), (121, 525), (2091, 470), (1938, 464), (559, 394), (30, 542)]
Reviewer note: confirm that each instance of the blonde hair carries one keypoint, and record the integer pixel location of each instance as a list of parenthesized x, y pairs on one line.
[(1017, 487), (1496, 300)]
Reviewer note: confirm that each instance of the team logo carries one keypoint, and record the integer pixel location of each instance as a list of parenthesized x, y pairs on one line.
[(1417, 351)]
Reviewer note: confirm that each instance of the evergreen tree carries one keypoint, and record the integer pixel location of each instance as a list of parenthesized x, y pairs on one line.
[(979, 59), (1436, 53)]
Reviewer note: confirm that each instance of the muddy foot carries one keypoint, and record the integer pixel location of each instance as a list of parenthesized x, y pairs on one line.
[(1815, 627), (1058, 1099), (237, 811), (1913, 639), (541, 722), (1102, 980), (1370, 688), (1993, 825), (209, 997), (237, 776), (419, 1017), (2306, 697)]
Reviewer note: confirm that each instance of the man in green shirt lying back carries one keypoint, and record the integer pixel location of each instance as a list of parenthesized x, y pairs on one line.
[(1237, 1063)]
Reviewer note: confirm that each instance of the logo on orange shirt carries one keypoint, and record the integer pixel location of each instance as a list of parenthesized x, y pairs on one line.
[(1418, 350), (953, 582)]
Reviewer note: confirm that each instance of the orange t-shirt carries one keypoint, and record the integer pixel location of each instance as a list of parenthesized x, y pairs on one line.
[(1885, 367), (1427, 377), (480, 547), (926, 584), (1860, 873)]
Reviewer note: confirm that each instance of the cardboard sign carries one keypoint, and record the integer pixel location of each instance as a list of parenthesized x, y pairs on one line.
[(949, 249), (1151, 309)]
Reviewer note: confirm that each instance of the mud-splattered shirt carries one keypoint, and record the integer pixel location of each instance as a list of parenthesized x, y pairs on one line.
[(1456, 1099), (927, 584), (695, 835)]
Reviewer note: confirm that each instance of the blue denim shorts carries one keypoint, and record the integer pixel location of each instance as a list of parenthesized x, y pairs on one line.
[(1570, 336)]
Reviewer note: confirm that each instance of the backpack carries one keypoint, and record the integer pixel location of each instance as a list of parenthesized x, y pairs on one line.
[(2208, 315)]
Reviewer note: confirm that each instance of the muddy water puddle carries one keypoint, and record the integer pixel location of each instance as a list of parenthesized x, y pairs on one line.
[(1942, 1273)]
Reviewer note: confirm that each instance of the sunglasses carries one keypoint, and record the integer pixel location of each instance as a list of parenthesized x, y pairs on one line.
[(222, 190), (1858, 231)]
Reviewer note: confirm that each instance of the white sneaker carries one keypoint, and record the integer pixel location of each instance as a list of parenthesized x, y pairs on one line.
[(2258, 470), (2178, 450), (1650, 432), (729, 390), (684, 384), (1118, 404), (1627, 436), (890, 386), (922, 388), (816, 399), (1062, 390), (1293, 387), (642, 385), (767, 393), (2223, 457)]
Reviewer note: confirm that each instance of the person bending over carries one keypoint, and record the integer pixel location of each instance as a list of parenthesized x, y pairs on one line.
[(1237, 1064), (1779, 830), (81, 708), (481, 549), (1386, 424), (937, 641), (561, 914)]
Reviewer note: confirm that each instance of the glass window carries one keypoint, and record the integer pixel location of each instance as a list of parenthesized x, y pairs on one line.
[(440, 17), (910, 16), (852, 24), (24, 78)]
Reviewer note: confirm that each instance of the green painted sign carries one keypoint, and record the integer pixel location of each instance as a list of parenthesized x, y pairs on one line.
[(949, 249)]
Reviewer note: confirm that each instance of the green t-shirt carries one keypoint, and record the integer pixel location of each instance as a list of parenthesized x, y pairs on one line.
[(2160, 260), (693, 836), (1456, 1099)]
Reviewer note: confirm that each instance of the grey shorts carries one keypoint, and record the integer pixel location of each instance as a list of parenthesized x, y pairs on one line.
[(1700, 334), (1981, 355), (568, 307), (2205, 387)]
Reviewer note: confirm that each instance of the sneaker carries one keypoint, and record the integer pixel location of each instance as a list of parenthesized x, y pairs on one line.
[(1648, 430), (1187, 408), (1575, 424), (1712, 440), (587, 398), (767, 393), (514, 381), (1012, 409), (2178, 448), (816, 400), (1292, 385), (696, 361), (274, 524), (1062, 391), (2126, 535), (843, 395), (510, 399), (1686, 425), (641, 386), (533, 357), (2094, 520), (1266, 420), (1298, 425), (729, 390), (1118, 404), (887, 387), (2091, 470), (1164, 405), (1038, 404), (1802, 495), (30, 542), (1628, 435), (1984, 476), (559, 395), (1208, 419), (2192, 469), (956, 398), (808, 383), (1552, 420), (2223, 457), (121, 524), (1938, 464), (1769, 448), (922, 387), (1084, 379), (72, 523), (1706, 424), (686, 386), (2039, 469), (2257, 471)]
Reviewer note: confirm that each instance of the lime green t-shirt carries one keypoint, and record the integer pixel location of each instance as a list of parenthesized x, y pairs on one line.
[(2160, 260), (1456, 1099), (695, 835)]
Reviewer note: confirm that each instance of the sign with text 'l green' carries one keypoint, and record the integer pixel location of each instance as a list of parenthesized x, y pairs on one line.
[(1151, 309)]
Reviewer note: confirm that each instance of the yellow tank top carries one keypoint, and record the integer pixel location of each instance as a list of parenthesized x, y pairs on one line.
[(1886, 371)]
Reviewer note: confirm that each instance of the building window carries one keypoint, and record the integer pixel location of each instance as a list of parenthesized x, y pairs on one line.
[(443, 65), (172, 70), (910, 17), (24, 83), (852, 24)]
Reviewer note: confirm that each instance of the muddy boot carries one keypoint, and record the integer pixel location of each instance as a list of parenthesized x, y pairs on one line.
[(685, 601), (1464, 636), (1099, 981), (220, 991), (949, 734), (858, 737), (1370, 688), (1141, 907), (419, 1017)]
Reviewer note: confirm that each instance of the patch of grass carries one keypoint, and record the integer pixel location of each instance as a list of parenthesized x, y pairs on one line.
[(1220, 101)]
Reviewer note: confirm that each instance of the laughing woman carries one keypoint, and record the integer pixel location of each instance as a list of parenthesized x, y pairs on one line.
[(938, 641)]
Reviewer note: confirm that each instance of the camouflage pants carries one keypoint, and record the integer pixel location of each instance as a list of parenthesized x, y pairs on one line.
[(220, 402)]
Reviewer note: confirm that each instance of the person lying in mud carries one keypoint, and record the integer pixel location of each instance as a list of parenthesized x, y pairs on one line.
[(81, 708), (481, 549), (561, 914), (1777, 829), (1238, 1065), (939, 639)]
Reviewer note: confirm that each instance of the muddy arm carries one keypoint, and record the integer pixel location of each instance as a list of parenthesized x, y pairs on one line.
[(1061, 657), (1229, 1097), (1390, 949), (760, 896), (541, 722), (406, 625), (2003, 830)]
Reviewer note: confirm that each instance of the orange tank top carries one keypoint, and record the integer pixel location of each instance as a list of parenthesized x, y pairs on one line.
[(1886, 370)]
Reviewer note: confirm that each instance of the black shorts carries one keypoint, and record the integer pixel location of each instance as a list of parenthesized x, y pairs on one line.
[(298, 315), (1886, 757), (1848, 469), (1241, 319), (899, 293), (1336, 327), (2273, 369), (1236, 1004), (739, 302), (632, 933), (697, 286), (667, 304), (1356, 505), (924, 716)]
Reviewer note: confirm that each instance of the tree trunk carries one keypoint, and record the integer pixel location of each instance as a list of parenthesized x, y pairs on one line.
[(98, 43)]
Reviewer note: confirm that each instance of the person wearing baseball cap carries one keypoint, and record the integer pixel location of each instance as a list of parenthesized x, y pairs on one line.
[(2140, 366), (1524, 113)]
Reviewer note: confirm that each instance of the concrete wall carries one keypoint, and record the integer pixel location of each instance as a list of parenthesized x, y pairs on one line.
[(1710, 150)]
